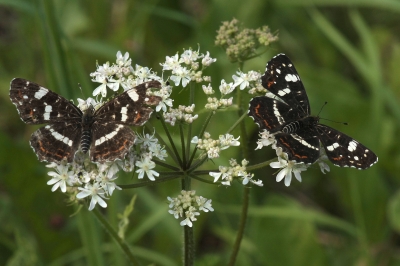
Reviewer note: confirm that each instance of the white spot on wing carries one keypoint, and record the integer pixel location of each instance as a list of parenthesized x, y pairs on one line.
[(291, 77), (333, 146), (40, 93), (303, 142), (352, 146), (133, 95), (278, 115), (58, 136), (108, 136), (124, 111)]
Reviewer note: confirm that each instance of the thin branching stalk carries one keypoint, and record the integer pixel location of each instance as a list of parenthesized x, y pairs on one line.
[(121, 243)]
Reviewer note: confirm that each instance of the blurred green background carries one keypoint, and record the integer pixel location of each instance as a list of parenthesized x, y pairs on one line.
[(346, 52)]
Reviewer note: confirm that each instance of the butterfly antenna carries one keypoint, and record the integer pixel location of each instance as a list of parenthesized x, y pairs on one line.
[(343, 123), (320, 110)]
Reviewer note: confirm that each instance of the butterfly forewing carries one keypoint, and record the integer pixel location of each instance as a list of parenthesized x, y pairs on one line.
[(282, 79), (268, 113), (123, 109), (38, 105)]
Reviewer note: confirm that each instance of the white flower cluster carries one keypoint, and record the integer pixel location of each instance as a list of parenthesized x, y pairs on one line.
[(183, 113), (287, 167), (97, 180), (149, 148), (185, 68), (187, 206), (82, 178), (247, 80), (214, 103), (97, 183), (213, 147), (122, 74), (227, 174)]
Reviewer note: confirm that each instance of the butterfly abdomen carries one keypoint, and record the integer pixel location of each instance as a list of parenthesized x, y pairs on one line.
[(85, 140), (295, 126), (87, 122)]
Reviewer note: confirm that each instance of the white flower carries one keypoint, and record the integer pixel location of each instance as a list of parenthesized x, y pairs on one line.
[(226, 88), (102, 88), (266, 139), (158, 151), (181, 73), (288, 167), (207, 89), (146, 139), (171, 63), (207, 60), (60, 178), (123, 60), (204, 204), (321, 161), (144, 74), (242, 80), (85, 104), (106, 179), (145, 166), (216, 175), (96, 192), (190, 216), (228, 140), (189, 56)]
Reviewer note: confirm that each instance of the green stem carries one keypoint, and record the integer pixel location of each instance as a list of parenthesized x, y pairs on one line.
[(173, 168), (203, 129), (203, 180), (161, 140), (246, 192), (150, 183), (183, 145), (175, 153), (189, 132), (239, 121), (242, 225), (189, 246), (122, 244)]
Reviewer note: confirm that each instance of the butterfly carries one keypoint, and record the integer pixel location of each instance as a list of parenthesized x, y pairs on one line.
[(299, 134), (104, 132)]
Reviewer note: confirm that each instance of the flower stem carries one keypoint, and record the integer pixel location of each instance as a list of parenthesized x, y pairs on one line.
[(175, 155), (188, 247), (246, 192), (203, 129), (242, 225), (122, 244)]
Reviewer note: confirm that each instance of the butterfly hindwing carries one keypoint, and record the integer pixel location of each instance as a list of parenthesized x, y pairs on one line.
[(56, 142), (345, 151), (110, 141)]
